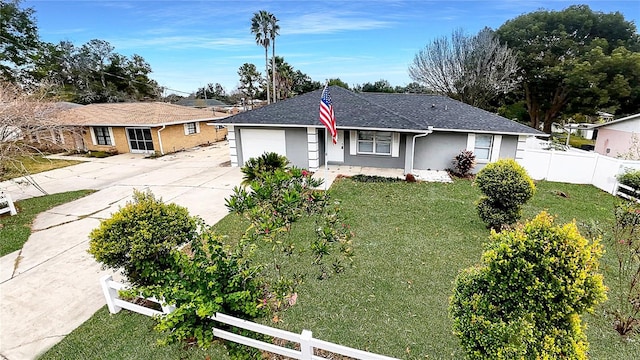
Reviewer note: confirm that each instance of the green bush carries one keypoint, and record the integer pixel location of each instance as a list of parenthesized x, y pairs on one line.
[(525, 300), (506, 186), (375, 179), (257, 168), (206, 277), (463, 163), (630, 178), (140, 236), (495, 215), (273, 203)]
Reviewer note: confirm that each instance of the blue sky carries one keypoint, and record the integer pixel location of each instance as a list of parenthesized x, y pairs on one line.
[(191, 43)]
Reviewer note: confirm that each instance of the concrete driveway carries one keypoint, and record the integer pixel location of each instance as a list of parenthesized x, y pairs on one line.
[(51, 286)]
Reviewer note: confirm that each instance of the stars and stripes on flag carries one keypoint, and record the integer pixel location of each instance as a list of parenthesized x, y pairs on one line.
[(327, 117)]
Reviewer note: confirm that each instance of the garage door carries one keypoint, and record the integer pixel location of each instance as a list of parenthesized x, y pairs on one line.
[(255, 142)]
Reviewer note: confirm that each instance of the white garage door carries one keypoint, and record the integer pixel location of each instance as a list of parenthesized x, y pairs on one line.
[(256, 142)]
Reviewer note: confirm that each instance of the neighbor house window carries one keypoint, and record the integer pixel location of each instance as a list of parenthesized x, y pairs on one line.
[(190, 128), (103, 136), (374, 142), (482, 148)]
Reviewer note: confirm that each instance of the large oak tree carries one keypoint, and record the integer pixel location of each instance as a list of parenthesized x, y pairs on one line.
[(574, 58)]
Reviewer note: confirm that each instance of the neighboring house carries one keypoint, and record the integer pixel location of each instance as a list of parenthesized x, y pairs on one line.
[(405, 131), (604, 116), (201, 103), (616, 138), (150, 127)]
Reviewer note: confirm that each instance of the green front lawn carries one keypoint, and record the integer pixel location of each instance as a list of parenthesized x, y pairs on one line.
[(411, 241), (35, 164), (15, 230)]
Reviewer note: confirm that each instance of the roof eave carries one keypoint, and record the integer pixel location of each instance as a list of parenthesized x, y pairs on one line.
[(492, 132), (322, 126), (180, 122)]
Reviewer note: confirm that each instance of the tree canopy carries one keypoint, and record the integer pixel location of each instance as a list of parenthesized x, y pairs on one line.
[(574, 60), (472, 69), (92, 73), (18, 38)]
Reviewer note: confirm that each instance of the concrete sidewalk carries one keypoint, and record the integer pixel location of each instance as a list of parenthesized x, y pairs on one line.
[(50, 287)]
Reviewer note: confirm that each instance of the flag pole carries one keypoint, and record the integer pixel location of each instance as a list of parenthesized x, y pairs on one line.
[(326, 153)]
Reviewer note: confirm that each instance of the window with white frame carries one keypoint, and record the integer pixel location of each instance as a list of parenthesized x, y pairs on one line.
[(190, 128), (374, 142), (103, 136), (482, 147)]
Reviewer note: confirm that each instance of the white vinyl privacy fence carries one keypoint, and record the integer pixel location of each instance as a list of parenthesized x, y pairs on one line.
[(575, 167), (307, 344)]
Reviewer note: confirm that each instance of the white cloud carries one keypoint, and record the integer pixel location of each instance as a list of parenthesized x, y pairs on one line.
[(327, 23)]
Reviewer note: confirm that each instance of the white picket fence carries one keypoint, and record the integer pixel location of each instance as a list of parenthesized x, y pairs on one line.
[(8, 206), (626, 194), (307, 343), (575, 167)]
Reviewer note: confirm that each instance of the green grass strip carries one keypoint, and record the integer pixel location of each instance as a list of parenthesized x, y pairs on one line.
[(15, 230)]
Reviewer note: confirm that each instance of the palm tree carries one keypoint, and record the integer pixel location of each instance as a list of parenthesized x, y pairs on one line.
[(273, 32), (260, 26)]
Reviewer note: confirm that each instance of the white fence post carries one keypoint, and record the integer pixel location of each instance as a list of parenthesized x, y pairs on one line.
[(110, 294), (11, 208), (306, 347)]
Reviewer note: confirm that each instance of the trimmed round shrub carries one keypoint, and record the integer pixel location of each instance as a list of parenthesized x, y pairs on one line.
[(495, 216), (140, 236), (526, 298), (506, 183), (506, 186)]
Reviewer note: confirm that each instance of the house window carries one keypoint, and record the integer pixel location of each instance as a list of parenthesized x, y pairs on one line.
[(374, 142), (190, 128), (482, 148), (103, 136)]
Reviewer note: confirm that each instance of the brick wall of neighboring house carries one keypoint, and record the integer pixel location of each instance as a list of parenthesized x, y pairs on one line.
[(119, 141), (174, 138), (58, 140)]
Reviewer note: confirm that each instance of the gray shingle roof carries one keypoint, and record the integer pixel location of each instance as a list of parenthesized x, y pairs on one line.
[(408, 112)]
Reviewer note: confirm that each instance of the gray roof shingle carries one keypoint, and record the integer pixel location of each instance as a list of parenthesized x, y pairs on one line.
[(408, 112)]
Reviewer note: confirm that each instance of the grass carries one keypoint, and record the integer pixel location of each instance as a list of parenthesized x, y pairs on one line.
[(16, 229), (411, 241), (125, 336), (574, 141), (36, 164)]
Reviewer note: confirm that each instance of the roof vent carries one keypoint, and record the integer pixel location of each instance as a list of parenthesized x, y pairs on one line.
[(433, 106)]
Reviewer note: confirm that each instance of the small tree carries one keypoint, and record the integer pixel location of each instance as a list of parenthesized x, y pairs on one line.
[(140, 236), (27, 124), (506, 187), (625, 242), (278, 196), (525, 300)]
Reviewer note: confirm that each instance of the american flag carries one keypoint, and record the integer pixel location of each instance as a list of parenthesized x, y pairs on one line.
[(327, 117)]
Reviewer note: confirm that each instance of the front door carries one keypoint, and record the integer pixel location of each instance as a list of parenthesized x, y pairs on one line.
[(140, 140), (335, 152)]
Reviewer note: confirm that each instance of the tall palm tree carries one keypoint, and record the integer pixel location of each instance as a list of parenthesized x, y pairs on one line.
[(273, 32), (260, 26)]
